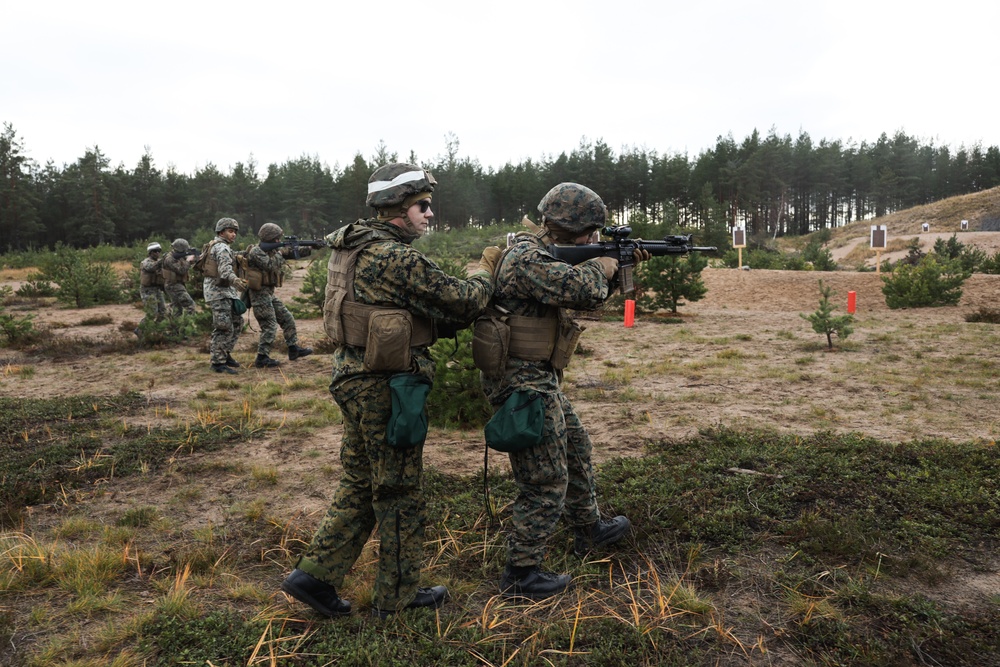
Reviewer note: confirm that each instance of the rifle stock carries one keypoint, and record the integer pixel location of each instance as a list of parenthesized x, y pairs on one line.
[(623, 248)]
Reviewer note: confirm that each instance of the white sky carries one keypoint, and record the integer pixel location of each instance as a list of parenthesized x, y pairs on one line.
[(219, 81)]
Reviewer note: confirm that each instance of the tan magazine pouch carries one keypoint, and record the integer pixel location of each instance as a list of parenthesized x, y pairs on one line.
[(491, 343), (388, 345), (569, 335)]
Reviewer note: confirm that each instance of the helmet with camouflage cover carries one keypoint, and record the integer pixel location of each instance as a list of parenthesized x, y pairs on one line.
[(392, 184), (180, 245), (573, 208), (226, 223), (269, 232), (153, 247)]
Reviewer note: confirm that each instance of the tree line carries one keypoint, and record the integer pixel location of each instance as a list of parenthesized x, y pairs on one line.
[(771, 184)]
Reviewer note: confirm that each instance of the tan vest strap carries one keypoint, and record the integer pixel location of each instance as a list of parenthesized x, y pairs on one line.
[(532, 338)]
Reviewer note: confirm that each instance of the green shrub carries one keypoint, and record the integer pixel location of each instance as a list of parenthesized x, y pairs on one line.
[(931, 282), (667, 281), (313, 291), (81, 283), (825, 322)]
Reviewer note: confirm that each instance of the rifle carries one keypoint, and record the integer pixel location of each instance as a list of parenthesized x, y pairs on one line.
[(294, 243), (621, 247)]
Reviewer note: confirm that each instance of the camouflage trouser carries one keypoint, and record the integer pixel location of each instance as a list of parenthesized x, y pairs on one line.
[(554, 478), (271, 313), (380, 486), (226, 328), (153, 302), (180, 300)]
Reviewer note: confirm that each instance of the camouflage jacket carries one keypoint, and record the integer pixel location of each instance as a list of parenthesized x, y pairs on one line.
[(391, 272), (179, 265), (152, 267), (266, 261), (216, 289), (530, 281)]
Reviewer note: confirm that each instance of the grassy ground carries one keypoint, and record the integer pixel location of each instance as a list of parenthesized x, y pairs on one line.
[(749, 548)]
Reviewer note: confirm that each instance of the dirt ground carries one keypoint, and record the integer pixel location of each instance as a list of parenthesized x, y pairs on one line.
[(743, 357)]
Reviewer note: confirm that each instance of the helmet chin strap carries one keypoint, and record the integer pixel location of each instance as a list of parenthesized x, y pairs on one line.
[(409, 226)]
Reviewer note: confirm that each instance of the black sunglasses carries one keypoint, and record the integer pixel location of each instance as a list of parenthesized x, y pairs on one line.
[(424, 205)]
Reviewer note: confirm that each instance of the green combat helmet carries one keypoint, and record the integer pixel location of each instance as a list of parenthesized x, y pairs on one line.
[(226, 223), (180, 245), (391, 184), (269, 232), (573, 208), (153, 247)]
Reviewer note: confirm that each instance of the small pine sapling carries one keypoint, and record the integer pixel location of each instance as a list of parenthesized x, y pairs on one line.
[(825, 322)]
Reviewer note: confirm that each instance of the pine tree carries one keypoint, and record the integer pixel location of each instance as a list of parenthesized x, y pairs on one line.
[(824, 322), (670, 279)]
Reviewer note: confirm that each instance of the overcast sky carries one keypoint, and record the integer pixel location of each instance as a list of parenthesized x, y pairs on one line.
[(224, 82)]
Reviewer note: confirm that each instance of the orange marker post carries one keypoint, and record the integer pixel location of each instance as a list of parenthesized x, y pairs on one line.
[(629, 312), (852, 302)]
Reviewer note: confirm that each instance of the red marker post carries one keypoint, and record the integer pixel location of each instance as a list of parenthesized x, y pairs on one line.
[(629, 312), (852, 302)]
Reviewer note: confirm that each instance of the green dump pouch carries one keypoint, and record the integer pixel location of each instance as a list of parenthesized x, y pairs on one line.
[(239, 306), (518, 424), (408, 422)]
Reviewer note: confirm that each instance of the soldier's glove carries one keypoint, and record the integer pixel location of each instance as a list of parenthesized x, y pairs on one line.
[(640, 255), (488, 262), (609, 265), (240, 285)]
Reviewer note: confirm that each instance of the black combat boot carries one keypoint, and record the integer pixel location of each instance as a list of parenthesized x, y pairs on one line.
[(532, 582), (432, 597), (232, 363), (605, 531), (223, 368), (264, 361), (319, 595), (295, 351)]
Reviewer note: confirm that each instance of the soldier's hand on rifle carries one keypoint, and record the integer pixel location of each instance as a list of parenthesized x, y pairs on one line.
[(640, 255), (488, 262), (609, 265)]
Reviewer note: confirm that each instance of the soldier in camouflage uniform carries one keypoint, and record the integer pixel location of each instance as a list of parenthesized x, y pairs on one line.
[(154, 302), (381, 484), (555, 478), (222, 286), (268, 308), (176, 266)]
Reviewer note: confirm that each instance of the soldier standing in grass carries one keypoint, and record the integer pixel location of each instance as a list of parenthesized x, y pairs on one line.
[(264, 273), (381, 374), (176, 266), (222, 288), (555, 477), (154, 302)]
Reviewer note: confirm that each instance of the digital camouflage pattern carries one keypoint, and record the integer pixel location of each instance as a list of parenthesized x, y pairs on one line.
[(226, 223), (574, 208), (268, 309), (381, 485), (177, 262), (154, 301), (223, 286), (391, 184), (390, 272), (555, 478), (227, 324), (269, 232)]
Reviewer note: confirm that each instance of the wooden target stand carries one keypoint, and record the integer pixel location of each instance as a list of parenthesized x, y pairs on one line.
[(879, 237)]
